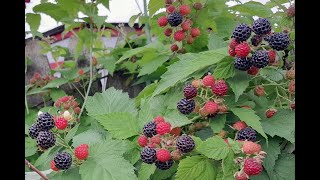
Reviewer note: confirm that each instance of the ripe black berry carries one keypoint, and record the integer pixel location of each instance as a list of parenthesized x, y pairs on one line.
[(63, 160), (260, 59), (149, 129), (261, 26), (174, 19), (247, 134), (186, 106), (279, 41), (256, 40), (242, 64), (45, 139), (185, 143), (148, 155), (34, 130), (242, 32), (45, 121), (164, 165), (189, 91)]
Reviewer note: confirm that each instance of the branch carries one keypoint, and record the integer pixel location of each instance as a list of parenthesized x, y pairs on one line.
[(35, 169)]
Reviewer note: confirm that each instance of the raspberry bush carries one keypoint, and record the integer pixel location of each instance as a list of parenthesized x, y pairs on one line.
[(218, 102)]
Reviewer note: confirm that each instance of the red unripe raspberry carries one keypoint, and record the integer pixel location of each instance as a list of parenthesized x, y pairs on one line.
[(163, 155), (163, 128), (77, 110), (179, 35), (272, 56), (184, 9), (241, 176), (158, 119), (61, 123), (142, 141), (81, 152), (64, 99), (231, 52), (174, 47), (270, 113), (233, 43), (168, 32), (170, 9), (190, 39), (156, 139), (186, 26), (80, 72), (252, 167), (195, 32), (249, 147), (211, 107), (253, 70), (259, 91), (53, 166), (208, 81), (239, 125), (220, 88), (162, 21), (242, 50)]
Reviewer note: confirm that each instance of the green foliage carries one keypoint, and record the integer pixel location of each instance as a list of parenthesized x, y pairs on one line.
[(239, 83), (196, 168), (34, 22), (146, 171), (214, 148), (218, 123), (253, 9), (154, 6), (225, 69), (30, 147), (72, 173), (273, 150), (56, 83), (89, 137)]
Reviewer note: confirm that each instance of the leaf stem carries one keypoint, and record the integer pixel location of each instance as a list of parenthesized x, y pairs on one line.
[(77, 90), (35, 169)]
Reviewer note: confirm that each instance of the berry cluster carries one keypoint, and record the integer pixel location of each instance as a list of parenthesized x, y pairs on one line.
[(178, 22), (260, 58), (40, 81), (210, 97), (160, 146), (68, 103), (40, 130), (251, 164)]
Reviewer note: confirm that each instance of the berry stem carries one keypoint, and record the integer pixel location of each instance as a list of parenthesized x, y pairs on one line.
[(35, 169), (195, 118), (77, 90)]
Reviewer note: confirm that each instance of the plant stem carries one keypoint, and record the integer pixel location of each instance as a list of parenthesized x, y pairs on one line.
[(26, 103), (195, 118), (147, 27), (35, 169), (77, 90)]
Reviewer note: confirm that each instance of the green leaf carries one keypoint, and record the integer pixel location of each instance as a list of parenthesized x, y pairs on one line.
[(105, 3), (34, 21), (225, 26), (228, 165), (215, 42), (99, 20), (153, 65), (285, 167), (164, 174), (204, 133), (188, 64), (271, 73), (69, 64), (89, 137), (217, 124), (214, 148), (146, 170), (145, 93), (145, 113), (273, 150), (239, 83), (254, 9), (53, 10), (157, 105), (30, 147), (196, 168), (235, 145), (31, 117), (176, 119), (43, 162), (154, 6), (56, 94), (106, 162), (71, 133), (109, 63), (120, 125), (225, 69), (55, 83), (133, 154), (262, 176), (110, 101), (250, 118), (72, 173), (36, 91), (281, 124), (133, 19)]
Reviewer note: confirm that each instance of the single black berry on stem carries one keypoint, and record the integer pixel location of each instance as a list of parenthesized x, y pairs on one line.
[(45, 121), (186, 106), (164, 165), (279, 41), (63, 160), (34, 130), (260, 59), (261, 26), (242, 64), (185, 143), (247, 134), (189, 91), (148, 155), (175, 19), (45, 140), (242, 32), (149, 129)]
